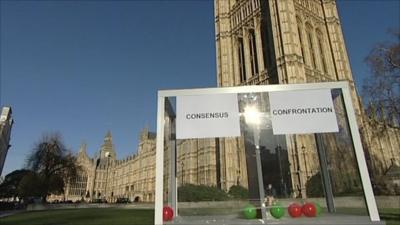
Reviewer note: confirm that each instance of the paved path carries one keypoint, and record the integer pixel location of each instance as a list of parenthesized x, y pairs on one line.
[(325, 219)]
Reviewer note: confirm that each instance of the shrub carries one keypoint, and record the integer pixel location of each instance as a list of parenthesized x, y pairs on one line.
[(238, 192), (197, 193), (314, 186)]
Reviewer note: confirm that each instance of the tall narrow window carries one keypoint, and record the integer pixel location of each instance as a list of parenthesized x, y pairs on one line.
[(322, 52), (311, 47), (242, 67), (301, 41), (253, 53)]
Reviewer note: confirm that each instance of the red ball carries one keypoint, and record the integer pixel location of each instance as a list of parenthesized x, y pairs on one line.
[(294, 210), (309, 210), (168, 213)]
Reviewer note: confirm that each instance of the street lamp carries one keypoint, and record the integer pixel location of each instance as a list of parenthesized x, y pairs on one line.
[(253, 118), (182, 167), (303, 149), (278, 153)]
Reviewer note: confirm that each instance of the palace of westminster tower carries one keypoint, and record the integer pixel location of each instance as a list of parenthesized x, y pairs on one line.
[(258, 42), (297, 41)]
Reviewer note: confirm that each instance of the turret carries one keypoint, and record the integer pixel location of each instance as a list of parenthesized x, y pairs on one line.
[(82, 154)]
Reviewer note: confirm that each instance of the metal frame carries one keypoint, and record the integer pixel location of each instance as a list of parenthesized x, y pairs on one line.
[(343, 85)]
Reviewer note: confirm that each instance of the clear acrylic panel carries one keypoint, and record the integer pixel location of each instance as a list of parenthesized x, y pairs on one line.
[(260, 177)]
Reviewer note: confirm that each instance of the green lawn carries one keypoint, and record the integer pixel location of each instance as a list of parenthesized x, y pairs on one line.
[(105, 216), (118, 216), (391, 216)]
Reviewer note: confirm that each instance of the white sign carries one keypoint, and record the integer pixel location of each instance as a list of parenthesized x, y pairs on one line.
[(205, 116), (300, 112)]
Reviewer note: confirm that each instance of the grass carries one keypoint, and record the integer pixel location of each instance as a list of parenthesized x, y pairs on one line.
[(98, 216), (391, 216), (118, 216)]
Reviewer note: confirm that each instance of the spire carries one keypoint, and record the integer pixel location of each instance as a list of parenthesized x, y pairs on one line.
[(108, 136), (144, 134), (146, 129), (372, 109), (82, 151), (83, 147), (382, 111)]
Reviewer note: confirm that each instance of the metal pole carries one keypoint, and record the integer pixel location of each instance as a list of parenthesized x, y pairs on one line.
[(158, 204), (358, 150), (182, 174), (278, 152), (172, 175), (326, 179), (256, 130)]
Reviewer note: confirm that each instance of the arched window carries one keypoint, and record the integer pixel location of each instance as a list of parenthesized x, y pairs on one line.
[(309, 31), (253, 52), (320, 40), (242, 66)]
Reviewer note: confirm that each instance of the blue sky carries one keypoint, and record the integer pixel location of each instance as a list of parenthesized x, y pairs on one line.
[(84, 67)]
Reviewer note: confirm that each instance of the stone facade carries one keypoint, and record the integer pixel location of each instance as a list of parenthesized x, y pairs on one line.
[(104, 177), (206, 162), (297, 41), (6, 123)]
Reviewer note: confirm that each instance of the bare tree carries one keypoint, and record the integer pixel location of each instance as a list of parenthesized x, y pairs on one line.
[(382, 90), (53, 163)]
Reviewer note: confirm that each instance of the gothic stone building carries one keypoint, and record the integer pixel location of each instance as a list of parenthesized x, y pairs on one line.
[(257, 42), (105, 177)]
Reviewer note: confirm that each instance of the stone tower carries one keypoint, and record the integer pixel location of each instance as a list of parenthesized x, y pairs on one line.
[(284, 42), (107, 149), (6, 123), (280, 42)]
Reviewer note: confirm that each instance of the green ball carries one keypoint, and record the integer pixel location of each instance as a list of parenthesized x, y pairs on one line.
[(277, 211), (318, 208), (249, 211)]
